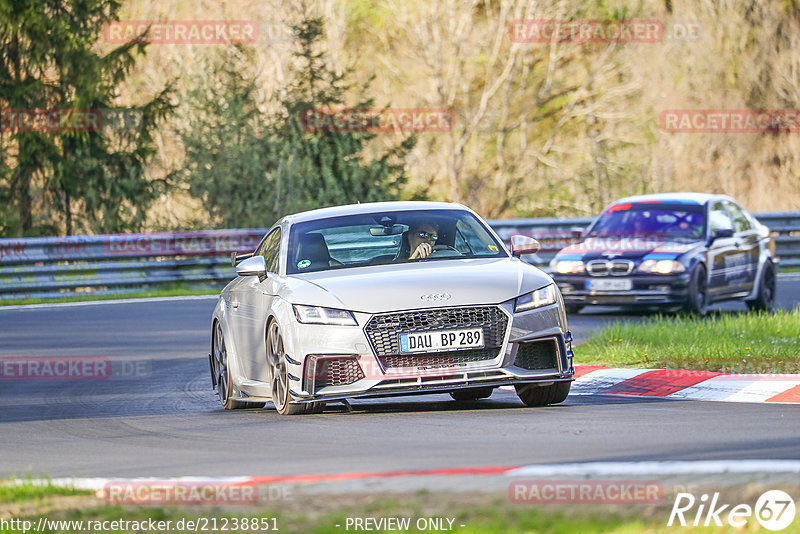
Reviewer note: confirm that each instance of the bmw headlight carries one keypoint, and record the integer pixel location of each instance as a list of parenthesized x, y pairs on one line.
[(569, 267), (319, 315), (661, 267), (536, 299)]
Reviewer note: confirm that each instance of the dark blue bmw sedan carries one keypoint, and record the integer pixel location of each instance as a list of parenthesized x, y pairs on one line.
[(670, 250)]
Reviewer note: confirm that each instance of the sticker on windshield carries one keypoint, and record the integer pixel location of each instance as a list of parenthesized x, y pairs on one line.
[(302, 264), (493, 248)]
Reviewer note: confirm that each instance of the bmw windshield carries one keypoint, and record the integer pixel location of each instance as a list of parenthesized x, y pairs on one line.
[(390, 237), (672, 221)]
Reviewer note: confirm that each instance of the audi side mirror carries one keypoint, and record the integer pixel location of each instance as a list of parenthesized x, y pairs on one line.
[(237, 257), (255, 266), (522, 244)]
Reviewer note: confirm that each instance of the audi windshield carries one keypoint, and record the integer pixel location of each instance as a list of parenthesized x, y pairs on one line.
[(391, 237)]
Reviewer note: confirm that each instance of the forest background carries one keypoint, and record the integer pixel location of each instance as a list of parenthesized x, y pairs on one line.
[(202, 136)]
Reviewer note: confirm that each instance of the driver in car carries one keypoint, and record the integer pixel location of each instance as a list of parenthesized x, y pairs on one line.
[(421, 238)]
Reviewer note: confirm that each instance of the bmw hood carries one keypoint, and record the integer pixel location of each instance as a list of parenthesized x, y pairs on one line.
[(438, 283), (632, 248)]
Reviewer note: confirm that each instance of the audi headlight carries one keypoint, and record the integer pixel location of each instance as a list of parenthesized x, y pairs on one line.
[(318, 315), (569, 267), (661, 267), (536, 299)]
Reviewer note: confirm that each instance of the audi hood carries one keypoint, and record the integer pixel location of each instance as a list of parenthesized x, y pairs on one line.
[(425, 284)]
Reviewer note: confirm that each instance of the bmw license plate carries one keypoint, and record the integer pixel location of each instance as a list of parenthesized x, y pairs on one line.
[(620, 284), (471, 338)]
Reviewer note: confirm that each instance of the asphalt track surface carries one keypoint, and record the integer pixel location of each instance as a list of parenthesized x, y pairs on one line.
[(166, 421)]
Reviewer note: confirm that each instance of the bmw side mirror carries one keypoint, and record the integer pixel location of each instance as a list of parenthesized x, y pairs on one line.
[(724, 232), (577, 231), (255, 266), (522, 244)]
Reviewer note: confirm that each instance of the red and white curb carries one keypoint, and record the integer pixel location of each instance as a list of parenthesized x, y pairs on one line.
[(577, 470), (687, 385)]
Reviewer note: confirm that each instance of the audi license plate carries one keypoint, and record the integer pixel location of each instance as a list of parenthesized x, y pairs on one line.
[(622, 284), (471, 338)]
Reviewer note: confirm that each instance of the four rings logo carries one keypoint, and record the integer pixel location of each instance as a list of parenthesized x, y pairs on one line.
[(434, 297)]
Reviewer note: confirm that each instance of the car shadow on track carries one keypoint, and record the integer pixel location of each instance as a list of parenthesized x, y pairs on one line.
[(500, 401)]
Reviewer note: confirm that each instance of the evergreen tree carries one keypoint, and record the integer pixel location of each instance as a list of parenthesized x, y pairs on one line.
[(227, 165), (86, 177), (323, 168), (250, 168)]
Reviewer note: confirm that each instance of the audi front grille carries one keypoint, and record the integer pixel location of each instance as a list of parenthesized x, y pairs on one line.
[(383, 331)]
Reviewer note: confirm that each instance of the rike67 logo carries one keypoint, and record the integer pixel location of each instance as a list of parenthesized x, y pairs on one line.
[(774, 510)]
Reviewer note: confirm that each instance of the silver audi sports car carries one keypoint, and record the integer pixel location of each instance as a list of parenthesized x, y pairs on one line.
[(384, 299)]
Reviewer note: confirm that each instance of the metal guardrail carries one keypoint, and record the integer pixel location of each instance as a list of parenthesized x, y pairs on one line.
[(119, 263), (122, 263)]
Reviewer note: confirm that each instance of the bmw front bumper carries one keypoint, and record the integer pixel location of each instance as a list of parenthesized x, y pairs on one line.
[(646, 290)]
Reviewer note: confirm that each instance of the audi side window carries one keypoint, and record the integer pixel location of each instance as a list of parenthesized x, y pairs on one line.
[(270, 249), (718, 218), (741, 223)]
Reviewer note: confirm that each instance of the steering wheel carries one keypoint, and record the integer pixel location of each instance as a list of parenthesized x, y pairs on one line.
[(444, 251)]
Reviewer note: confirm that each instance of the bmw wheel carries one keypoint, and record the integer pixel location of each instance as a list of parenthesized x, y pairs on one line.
[(534, 395), (765, 300), (698, 296), (279, 373)]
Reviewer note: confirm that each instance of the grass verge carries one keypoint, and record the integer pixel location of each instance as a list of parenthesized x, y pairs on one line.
[(463, 512), (728, 343), (166, 290), (16, 490), (320, 514)]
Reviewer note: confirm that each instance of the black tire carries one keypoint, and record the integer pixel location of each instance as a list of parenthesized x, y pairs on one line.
[(765, 301), (472, 394), (533, 395), (573, 308), (279, 374), (220, 375), (697, 302)]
